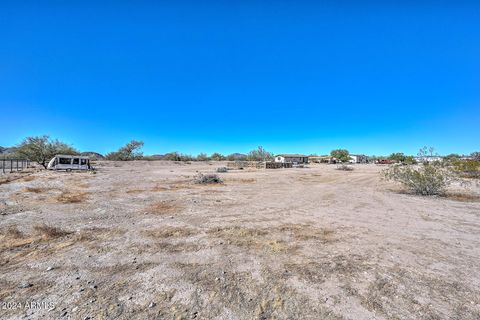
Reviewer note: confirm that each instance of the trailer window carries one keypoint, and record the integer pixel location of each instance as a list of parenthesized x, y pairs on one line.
[(76, 161), (64, 160), (83, 162)]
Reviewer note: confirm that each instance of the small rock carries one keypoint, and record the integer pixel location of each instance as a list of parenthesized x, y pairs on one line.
[(77, 278), (94, 287), (64, 314), (25, 285), (152, 304), (50, 268), (82, 289)]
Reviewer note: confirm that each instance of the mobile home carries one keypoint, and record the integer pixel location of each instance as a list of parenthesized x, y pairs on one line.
[(292, 158)]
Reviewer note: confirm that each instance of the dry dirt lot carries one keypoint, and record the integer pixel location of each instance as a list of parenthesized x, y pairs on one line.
[(141, 241)]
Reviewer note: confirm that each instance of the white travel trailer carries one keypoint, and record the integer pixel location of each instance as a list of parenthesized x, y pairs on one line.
[(68, 163)]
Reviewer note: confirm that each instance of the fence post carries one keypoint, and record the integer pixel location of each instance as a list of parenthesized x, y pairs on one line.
[(3, 166), (11, 165), (17, 164)]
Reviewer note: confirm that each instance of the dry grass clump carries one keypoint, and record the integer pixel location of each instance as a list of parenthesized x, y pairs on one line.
[(345, 167), (11, 237), (249, 238), (35, 190), (171, 187), (245, 180), (29, 178), (306, 232), (463, 197), (163, 207), (209, 178), (12, 232), (97, 233), (49, 232), (343, 268), (136, 191), (72, 197), (222, 169), (169, 232)]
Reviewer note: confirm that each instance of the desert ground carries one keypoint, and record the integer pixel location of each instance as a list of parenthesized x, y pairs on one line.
[(140, 240)]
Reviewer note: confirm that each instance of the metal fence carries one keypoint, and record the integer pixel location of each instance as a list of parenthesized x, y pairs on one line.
[(11, 165)]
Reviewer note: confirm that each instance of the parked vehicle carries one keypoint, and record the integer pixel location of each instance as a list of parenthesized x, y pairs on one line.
[(68, 163)]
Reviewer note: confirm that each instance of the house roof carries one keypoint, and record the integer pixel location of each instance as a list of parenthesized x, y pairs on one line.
[(292, 155)]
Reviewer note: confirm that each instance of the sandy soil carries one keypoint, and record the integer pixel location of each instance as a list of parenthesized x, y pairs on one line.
[(141, 241)]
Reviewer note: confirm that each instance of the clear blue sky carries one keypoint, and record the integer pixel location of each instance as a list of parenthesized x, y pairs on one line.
[(227, 76)]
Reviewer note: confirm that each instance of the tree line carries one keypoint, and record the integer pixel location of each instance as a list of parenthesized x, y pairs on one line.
[(42, 148)]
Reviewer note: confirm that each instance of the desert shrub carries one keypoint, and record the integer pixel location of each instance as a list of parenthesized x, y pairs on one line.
[(260, 154), (222, 169), (202, 157), (42, 149), (217, 157), (345, 167), (50, 231), (72, 197), (236, 157), (401, 158), (130, 151), (207, 178), (13, 232), (427, 179), (467, 168)]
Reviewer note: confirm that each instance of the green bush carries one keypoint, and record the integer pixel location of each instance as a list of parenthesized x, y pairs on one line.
[(42, 149), (217, 157), (467, 168), (260, 154), (130, 151), (427, 179), (341, 155)]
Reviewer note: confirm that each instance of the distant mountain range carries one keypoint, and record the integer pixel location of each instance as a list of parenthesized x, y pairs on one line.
[(93, 155), (5, 150), (238, 156)]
